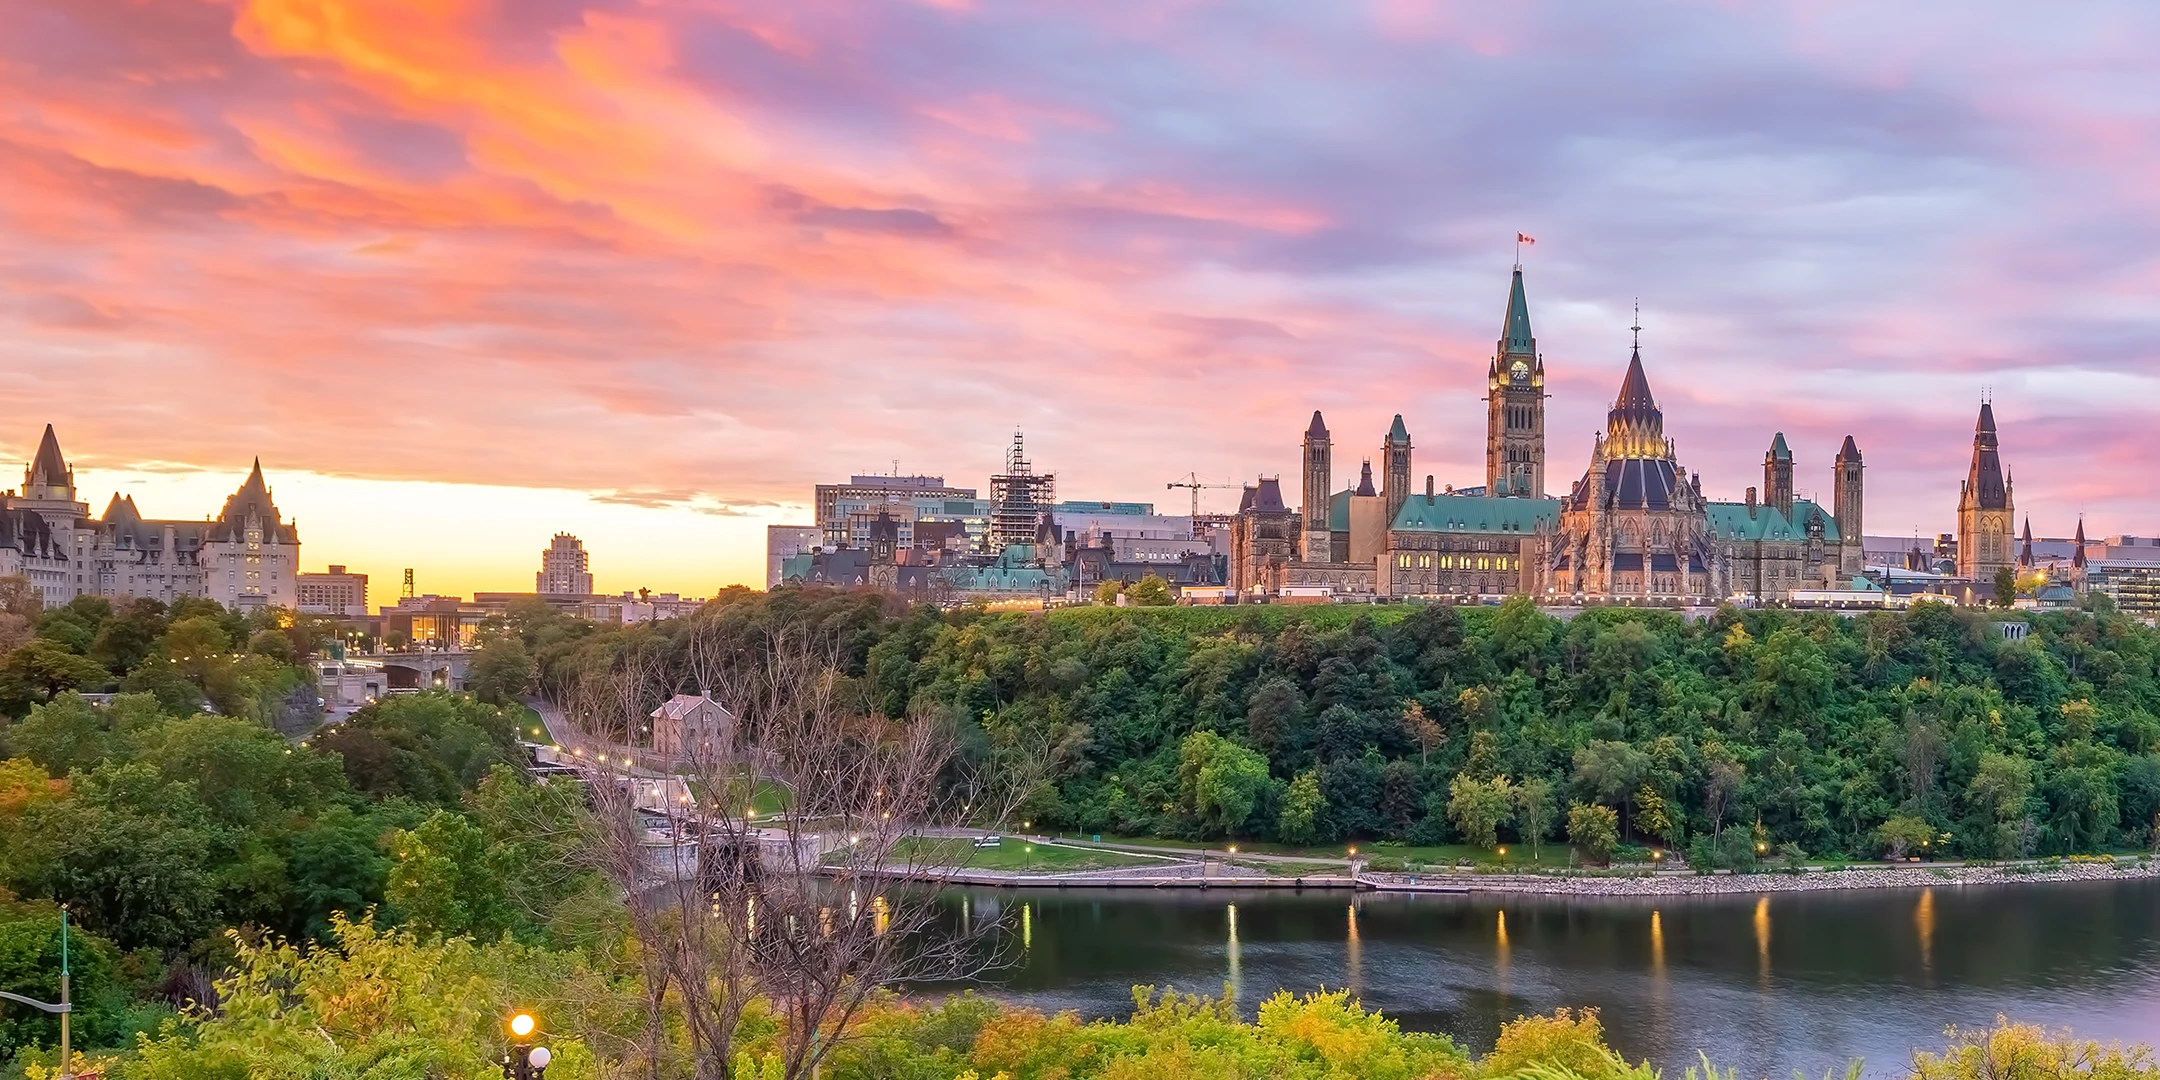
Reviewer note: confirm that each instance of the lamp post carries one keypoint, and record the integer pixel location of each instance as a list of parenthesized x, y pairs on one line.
[(525, 1061)]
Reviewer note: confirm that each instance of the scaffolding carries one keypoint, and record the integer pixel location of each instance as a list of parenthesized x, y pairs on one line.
[(1018, 498)]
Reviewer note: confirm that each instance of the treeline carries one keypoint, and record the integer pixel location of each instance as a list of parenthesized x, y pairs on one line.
[(1748, 733)]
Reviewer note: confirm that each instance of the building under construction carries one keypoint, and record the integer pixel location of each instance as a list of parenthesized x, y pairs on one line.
[(1018, 497)]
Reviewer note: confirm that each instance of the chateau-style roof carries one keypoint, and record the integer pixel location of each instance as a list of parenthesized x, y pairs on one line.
[(1985, 480), (1778, 449), (1475, 514), (1732, 521), (1397, 434), (1364, 484), (1263, 498), (1338, 510), (26, 531), (49, 467), (1317, 429), (252, 498), (1515, 336)]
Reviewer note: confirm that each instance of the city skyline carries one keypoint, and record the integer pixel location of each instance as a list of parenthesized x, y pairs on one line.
[(451, 327)]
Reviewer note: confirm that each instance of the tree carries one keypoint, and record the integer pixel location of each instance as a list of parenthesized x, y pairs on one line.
[(1651, 815), (502, 671), (1900, 835), (1302, 807), (444, 883), (40, 669), (1220, 782), (1152, 591), (63, 735), (1107, 592), (1480, 807), (1534, 811), (1595, 830), (1423, 730), (2006, 586)]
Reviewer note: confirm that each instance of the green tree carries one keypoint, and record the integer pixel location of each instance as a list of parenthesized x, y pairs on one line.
[(1534, 811), (1902, 835), (1651, 815), (1220, 782), (40, 669), (2006, 586), (1107, 592), (502, 670), (63, 735), (443, 881), (1302, 809), (1152, 591), (1594, 830), (1480, 807)]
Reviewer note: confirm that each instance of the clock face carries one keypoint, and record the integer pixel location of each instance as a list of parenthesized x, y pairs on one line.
[(1520, 372)]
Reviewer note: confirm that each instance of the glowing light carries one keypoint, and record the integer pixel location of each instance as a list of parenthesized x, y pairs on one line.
[(521, 1025), (1503, 851)]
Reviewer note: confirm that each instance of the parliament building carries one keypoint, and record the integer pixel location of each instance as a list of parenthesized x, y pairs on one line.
[(1634, 528)]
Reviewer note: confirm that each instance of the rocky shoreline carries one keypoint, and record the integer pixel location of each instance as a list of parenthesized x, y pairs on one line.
[(1671, 884)]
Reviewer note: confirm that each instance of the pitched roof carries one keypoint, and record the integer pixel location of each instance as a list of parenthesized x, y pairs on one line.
[(1732, 521), (1475, 514), (1317, 429), (1364, 483), (1397, 434), (1515, 336), (1985, 479), (1635, 393), (253, 498), (1850, 451), (1778, 450), (1264, 497), (49, 467)]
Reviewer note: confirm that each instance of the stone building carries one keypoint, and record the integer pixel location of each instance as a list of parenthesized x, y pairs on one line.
[(246, 557), (1985, 507), (692, 726), (565, 568), (1515, 406)]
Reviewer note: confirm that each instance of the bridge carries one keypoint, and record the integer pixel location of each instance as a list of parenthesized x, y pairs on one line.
[(425, 668)]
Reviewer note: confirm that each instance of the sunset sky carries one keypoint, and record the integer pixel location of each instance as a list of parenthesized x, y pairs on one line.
[(465, 274)]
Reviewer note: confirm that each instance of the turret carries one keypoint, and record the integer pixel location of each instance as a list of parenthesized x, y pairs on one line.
[(1319, 480), (1777, 476), (1515, 405), (1846, 488), (1395, 465)]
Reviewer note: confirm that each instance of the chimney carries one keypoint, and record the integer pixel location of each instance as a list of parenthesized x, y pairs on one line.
[(1428, 489), (1751, 504)]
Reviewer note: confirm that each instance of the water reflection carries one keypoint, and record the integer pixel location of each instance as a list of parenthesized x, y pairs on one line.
[(1857, 973)]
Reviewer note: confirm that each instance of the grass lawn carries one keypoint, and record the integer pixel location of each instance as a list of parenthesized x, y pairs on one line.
[(1017, 855), (1552, 855)]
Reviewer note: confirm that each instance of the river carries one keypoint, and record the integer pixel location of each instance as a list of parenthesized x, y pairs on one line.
[(1765, 984)]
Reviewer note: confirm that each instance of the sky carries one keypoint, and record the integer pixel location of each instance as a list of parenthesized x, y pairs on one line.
[(464, 274)]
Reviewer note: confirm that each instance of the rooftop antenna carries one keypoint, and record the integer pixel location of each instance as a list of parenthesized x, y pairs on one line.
[(1637, 328)]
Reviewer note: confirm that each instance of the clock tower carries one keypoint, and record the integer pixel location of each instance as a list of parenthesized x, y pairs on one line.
[(1515, 406)]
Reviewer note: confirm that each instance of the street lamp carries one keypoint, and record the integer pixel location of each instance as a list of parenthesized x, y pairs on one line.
[(525, 1061)]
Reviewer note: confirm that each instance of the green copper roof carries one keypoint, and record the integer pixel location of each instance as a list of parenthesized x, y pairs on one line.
[(1731, 521), (1475, 514), (1778, 449), (1515, 335), (1338, 511), (1397, 434)]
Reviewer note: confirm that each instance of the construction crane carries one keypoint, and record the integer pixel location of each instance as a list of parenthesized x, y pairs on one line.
[(1193, 482)]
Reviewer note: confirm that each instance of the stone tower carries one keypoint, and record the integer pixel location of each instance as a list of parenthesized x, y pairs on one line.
[(1319, 480), (1984, 506), (1777, 476), (1846, 486), (1515, 406), (1395, 469)]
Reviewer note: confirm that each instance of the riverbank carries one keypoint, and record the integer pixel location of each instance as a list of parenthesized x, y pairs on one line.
[(1811, 880)]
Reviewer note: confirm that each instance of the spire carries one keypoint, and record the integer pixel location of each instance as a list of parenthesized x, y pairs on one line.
[(1779, 451), (1365, 484), (1397, 434), (49, 468), (1850, 451), (1984, 482), (2025, 553), (1316, 430), (1515, 337), (1635, 392), (2077, 558)]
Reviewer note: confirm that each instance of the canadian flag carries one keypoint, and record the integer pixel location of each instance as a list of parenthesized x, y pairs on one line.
[(1525, 238)]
